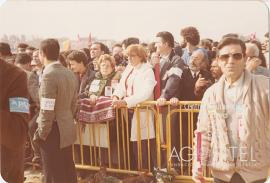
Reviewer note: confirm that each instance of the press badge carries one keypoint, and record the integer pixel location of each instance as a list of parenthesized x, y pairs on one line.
[(94, 87), (19, 104), (108, 91), (47, 104)]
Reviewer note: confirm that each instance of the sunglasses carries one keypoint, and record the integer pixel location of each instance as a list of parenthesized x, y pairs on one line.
[(236, 56)]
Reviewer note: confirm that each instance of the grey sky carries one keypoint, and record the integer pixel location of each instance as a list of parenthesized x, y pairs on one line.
[(120, 19)]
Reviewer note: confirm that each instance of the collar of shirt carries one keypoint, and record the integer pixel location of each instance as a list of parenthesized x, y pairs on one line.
[(50, 64), (192, 73), (236, 83), (165, 57)]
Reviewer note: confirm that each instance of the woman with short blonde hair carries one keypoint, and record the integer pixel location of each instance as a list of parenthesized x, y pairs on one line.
[(139, 50)]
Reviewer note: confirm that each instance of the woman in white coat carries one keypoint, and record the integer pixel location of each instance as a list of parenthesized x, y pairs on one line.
[(136, 86)]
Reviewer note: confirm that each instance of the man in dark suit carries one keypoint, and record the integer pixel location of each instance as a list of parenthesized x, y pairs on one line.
[(56, 130), (194, 82), (195, 79), (14, 116), (168, 70)]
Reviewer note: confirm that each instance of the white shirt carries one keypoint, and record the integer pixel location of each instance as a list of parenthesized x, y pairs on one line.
[(192, 72), (233, 99)]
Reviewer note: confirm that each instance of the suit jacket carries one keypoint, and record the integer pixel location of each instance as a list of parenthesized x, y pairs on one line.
[(13, 83), (168, 87), (186, 86), (87, 78), (60, 84)]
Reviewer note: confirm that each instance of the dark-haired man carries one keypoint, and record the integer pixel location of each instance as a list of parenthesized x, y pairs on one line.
[(168, 70), (233, 123), (97, 49), (191, 38), (56, 130), (79, 65), (5, 53)]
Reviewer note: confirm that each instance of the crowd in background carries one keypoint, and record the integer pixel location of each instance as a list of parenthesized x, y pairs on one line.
[(131, 72)]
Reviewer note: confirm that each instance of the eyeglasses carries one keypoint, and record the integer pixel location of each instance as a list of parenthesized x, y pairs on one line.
[(236, 56)]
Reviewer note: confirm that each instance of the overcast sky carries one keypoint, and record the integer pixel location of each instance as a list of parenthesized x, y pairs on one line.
[(121, 19)]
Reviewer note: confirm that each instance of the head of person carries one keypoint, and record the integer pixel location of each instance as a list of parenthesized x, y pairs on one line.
[(97, 49), (87, 52), (252, 54), (21, 48), (214, 46), (198, 60), (106, 64), (78, 61), (190, 35), (215, 70), (35, 60), (206, 44), (261, 55), (29, 50), (49, 51), (5, 50), (164, 42), (129, 41), (23, 60), (117, 50), (136, 54), (232, 57), (266, 42)]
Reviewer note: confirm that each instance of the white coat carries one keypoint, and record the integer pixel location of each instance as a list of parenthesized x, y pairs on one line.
[(143, 88)]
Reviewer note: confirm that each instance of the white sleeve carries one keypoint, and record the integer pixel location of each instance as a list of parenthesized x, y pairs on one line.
[(146, 83)]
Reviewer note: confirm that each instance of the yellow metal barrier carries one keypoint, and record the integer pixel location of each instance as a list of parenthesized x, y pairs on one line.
[(109, 143)]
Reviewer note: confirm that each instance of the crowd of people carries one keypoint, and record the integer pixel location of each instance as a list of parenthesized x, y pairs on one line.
[(228, 72)]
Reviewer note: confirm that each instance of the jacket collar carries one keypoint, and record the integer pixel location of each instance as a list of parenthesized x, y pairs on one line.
[(51, 65)]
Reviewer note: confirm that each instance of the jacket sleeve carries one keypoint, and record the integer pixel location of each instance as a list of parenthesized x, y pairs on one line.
[(75, 99), (205, 128), (173, 82), (120, 88), (146, 86), (33, 87), (14, 124), (46, 116)]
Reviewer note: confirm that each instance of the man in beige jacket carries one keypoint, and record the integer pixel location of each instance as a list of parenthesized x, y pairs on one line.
[(233, 122)]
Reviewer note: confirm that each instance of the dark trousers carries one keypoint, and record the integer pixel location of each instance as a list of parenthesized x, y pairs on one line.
[(12, 164), (32, 129), (236, 178), (144, 152), (58, 165), (175, 133)]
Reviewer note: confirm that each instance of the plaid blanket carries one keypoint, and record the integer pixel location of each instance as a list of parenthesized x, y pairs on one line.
[(102, 111)]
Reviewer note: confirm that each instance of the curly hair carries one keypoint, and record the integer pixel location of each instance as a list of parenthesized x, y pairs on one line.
[(191, 35)]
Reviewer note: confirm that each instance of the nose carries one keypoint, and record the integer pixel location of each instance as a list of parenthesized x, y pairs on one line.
[(230, 60)]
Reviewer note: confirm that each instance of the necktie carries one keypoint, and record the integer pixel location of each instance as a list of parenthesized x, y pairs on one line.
[(194, 75), (157, 77)]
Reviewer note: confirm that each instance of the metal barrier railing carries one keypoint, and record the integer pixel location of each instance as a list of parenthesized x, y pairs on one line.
[(125, 147)]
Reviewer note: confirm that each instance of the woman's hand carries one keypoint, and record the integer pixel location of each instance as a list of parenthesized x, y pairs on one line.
[(93, 99), (119, 103)]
